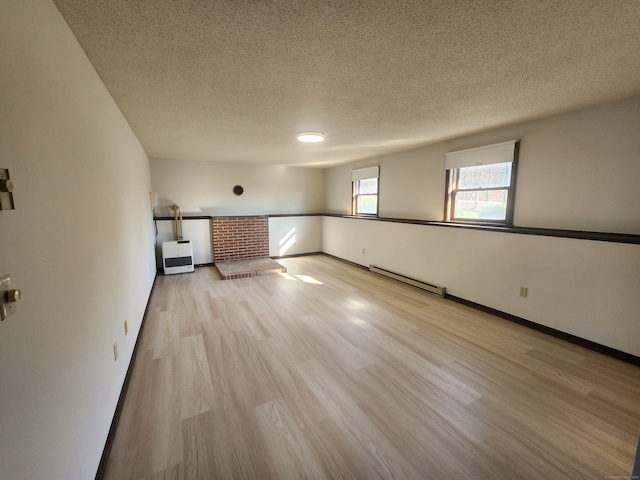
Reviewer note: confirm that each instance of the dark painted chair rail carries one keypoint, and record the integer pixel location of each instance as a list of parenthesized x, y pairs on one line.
[(545, 232)]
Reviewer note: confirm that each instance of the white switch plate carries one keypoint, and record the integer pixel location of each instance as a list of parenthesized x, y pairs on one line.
[(6, 308), (6, 198)]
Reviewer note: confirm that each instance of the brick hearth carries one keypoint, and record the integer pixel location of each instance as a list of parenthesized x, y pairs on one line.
[(249, 268)]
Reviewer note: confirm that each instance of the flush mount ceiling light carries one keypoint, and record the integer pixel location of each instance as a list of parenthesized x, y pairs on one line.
[(310, 137)]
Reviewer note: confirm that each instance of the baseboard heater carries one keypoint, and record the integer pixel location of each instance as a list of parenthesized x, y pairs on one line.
[(429, 287)]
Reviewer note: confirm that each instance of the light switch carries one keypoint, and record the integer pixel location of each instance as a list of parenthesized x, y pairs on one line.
[(8, 297)]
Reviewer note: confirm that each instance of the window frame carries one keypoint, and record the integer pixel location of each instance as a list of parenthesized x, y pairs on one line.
[(357, 176), (355, 196), (452, 179)]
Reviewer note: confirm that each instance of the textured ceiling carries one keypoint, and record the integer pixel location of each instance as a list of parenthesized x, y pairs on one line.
[(233, 80)]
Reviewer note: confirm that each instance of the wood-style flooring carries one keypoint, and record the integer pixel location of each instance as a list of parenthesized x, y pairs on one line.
[(331, 372)]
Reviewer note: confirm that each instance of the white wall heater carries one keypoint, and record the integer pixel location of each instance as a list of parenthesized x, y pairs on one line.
[(429, 287), (177, 257)]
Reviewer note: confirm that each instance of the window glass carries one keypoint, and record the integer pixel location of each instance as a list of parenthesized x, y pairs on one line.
[(481, 193), (487, 205), (484, 176), (368, 186)]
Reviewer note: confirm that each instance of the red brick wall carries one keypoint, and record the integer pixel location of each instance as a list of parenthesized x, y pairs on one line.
[(236, 238)]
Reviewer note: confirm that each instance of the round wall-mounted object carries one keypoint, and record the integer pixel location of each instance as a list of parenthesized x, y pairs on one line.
[(238, 190)]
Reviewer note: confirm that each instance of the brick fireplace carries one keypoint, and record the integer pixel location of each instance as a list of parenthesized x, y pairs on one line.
[(241, 247), (240, 238)]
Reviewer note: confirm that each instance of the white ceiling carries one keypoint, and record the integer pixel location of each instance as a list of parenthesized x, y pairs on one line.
[(235, 81)]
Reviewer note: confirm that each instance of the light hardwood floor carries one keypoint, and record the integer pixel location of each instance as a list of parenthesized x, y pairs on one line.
[(329, 371)]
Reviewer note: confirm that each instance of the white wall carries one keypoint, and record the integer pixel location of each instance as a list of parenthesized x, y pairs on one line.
[(294, 235), (289, 235), (577, 171), (582, 287), (79, 245), (206, 188)]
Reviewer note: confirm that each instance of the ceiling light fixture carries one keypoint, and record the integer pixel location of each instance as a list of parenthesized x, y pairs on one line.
[(310, 137)]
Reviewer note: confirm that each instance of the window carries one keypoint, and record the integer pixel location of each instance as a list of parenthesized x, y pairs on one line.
[(365, 196), (365, 191), (481, 184)]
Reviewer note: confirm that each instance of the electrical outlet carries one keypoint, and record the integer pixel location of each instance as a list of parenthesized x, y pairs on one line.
[(126, 328), (524, 291), (363, 251), (115, 351)]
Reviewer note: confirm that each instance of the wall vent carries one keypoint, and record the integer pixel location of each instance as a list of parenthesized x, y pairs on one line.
[(427, 286)]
